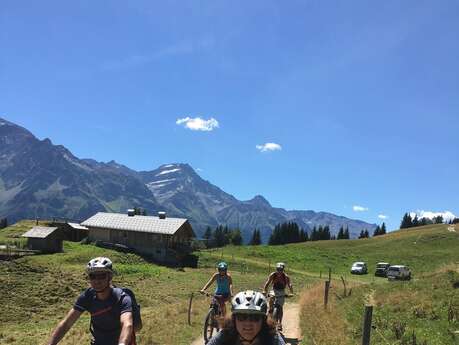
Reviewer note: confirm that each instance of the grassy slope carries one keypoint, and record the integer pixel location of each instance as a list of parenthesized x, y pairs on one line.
[(423, 249), (28, 314), (422, 305), (37, 291)]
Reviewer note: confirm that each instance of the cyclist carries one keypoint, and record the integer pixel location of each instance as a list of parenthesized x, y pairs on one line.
[(224, 285), (111, 316), (248, 324), (280, 280)]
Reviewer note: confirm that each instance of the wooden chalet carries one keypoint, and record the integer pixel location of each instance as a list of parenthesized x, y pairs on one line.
[(45, 239), (167, 240)]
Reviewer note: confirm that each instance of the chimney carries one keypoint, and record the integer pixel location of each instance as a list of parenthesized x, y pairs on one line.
[(131, 212), (162, 215)]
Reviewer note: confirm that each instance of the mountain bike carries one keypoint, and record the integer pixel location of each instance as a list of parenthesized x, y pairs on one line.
[(211, 325), (276, 309)]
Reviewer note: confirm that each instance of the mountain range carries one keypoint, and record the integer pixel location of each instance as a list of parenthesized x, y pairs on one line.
[(42, 180)]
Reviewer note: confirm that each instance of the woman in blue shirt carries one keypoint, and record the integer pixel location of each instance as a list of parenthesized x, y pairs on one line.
[(224, 285)]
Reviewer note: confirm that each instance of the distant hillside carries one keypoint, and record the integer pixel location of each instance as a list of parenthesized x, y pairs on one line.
[(42, 180), (424, 249)]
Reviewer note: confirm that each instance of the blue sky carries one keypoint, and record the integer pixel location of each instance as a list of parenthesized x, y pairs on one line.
[(358, 100)]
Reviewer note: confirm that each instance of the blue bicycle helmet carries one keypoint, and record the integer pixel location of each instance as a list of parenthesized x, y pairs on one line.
[(222, 266)]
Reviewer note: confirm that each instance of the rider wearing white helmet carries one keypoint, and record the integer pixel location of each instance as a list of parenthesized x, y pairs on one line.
[(280, 280), (103, 303), (248, 324)]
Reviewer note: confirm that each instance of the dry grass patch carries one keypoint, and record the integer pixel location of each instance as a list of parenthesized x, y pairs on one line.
[(320, 326)]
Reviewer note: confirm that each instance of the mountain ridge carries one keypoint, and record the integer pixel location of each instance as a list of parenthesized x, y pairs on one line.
[(41, 180)]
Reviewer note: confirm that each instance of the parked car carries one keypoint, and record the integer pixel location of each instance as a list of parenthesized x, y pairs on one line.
[(359, 267), (400, 272), (381, 269)]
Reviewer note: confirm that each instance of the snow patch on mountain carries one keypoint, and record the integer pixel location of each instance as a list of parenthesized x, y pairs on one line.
[(160, 181), (168, 171)]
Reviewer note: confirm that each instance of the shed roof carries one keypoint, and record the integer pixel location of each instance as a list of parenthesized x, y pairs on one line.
[(120, 221), (77, 226), (39, 232)]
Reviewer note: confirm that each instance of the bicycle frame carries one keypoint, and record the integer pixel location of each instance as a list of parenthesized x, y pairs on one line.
[(211, 322)]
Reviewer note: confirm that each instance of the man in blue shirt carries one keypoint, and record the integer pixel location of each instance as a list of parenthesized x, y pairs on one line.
[(110, 309)]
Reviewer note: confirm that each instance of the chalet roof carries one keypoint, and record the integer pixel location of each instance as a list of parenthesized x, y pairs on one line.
[(77, 226), (120, 221), (39, 232)]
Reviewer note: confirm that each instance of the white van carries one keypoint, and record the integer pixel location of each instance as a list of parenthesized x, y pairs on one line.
[(400, 272)]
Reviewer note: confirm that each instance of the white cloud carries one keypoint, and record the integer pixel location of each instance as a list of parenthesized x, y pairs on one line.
[(269, 147), (447, 215), (198, 124), (358, 208), (382, 216)]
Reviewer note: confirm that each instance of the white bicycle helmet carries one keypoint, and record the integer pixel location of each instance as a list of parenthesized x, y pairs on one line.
[(249, 302), (100, 264), (280, 266)]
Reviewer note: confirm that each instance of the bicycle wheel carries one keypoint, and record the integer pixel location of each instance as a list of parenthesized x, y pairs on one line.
[(277, 315), (210, 325)]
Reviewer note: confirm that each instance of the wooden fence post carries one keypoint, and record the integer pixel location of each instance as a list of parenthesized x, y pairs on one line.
[(367, 324), (189, 309), (344, 284), (329, 274), (327, 288)]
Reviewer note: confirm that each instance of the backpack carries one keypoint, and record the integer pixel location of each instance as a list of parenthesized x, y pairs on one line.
[(136, 318)]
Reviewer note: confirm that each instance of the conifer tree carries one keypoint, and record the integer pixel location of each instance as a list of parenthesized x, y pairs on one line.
[(407, 221), (383, 229), (438, 220), (256, 239), (219, 236), (236, 237), (340, 233), (346, 234)]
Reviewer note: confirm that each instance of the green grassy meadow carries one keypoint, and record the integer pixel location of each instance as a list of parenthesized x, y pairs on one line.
[(37, 291)]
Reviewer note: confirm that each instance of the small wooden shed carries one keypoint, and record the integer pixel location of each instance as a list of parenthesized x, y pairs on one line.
[(45, 239), (71, 231)]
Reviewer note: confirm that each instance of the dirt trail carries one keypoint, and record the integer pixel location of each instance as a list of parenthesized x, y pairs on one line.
[(291, 324)]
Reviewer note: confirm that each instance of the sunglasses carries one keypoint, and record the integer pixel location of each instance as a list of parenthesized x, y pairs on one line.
[(99, 276), (249, 317)]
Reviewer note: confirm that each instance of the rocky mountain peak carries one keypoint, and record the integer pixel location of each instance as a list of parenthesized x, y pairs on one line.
[(259, 200)]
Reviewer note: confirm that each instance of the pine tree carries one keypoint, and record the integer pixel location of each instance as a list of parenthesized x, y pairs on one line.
[(438, 220), (377, 231), (366, 233), (340, 233), (407, 221), (256, 239), (383, 229), (219, 236), (236, 238), (303, 236), (346, 234), (314, 235)]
